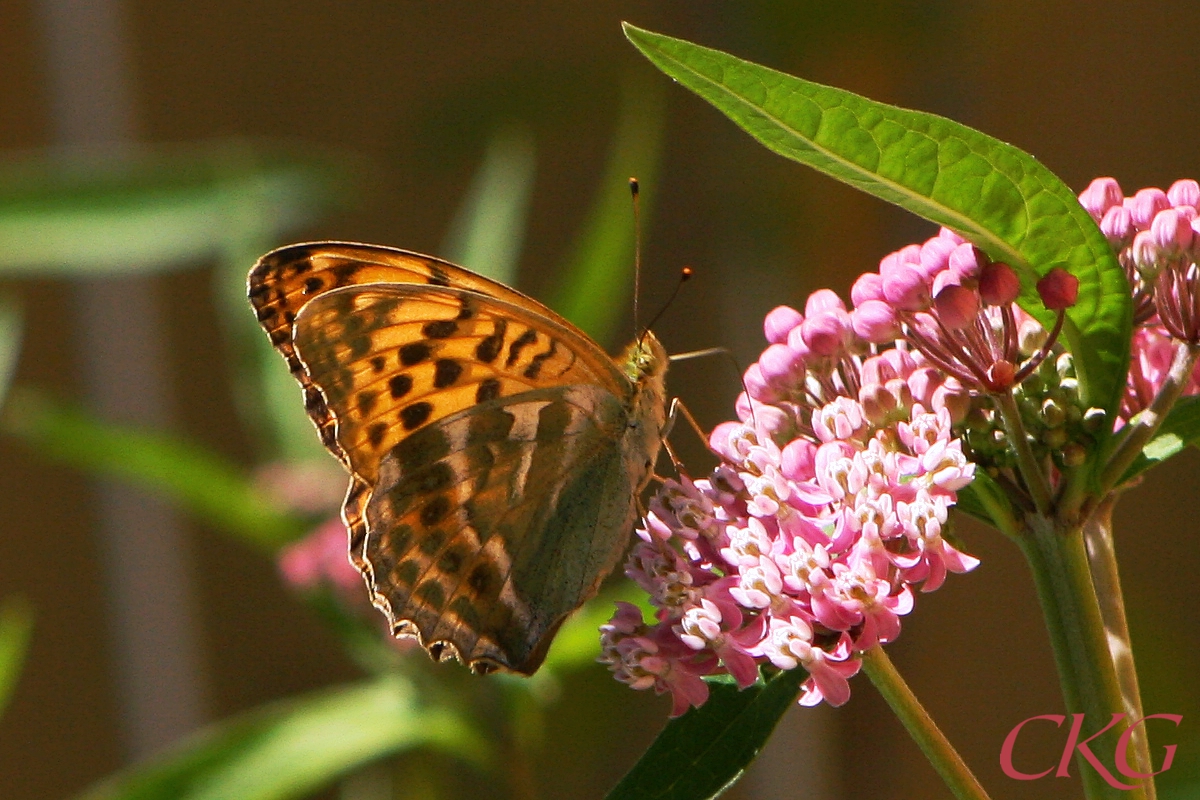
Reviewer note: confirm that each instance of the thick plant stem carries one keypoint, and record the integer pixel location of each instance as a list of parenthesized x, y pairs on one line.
[(1102, 556), (933, 743), (1031, 471), (1061, 572)]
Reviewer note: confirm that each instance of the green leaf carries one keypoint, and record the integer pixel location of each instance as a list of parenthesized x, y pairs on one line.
[(599, 273), (488, 230), (1180, 429), (196, 479), (702, 753), (11, 323), (16, 631), (293, 748), (996, 195), (152, 209)]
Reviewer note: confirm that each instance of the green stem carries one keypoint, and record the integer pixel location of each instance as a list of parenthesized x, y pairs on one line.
[(1134, 436), (1061, 573), (1102, 558), (933, 743), (1014, 428)]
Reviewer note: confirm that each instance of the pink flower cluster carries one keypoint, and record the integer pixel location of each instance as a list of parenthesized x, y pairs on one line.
[(830, 503), (1156, 235)]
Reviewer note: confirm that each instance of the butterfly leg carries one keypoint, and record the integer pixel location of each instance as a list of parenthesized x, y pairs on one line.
[(676, 410)]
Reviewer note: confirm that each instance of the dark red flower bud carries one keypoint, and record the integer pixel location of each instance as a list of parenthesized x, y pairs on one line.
[(1058, 289)]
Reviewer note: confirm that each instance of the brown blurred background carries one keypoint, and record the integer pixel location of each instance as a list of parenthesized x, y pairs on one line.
[(416, 90)]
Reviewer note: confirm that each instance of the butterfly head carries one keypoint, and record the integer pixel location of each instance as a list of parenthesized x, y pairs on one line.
[(645, 359)]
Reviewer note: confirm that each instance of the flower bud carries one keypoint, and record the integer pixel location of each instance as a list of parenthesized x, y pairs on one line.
[(1052, 413), (781, 367), (1064, 365), (757, 385), (1093, 419), (1000, 376), (1144, 205), (1031, 336), (1055, 438), (1184, 192), (935, 256), (869, 286), (779, 323), (1073, 455), (1171, 232), (1144, 253), (956, 307), (826, 332), (943, 279), (946, 233), (875, 321), (823, 300), (954, 398), (1117, 226), (877, 403), (998, 284), (906, 289), (1101, 195), (1058, 289), (967, 260)]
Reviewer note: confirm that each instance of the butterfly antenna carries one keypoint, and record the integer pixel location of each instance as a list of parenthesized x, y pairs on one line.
[(684, 275), (732, 359), (637, 253)]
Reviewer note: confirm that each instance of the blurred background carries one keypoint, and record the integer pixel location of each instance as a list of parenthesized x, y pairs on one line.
[(149, 152)]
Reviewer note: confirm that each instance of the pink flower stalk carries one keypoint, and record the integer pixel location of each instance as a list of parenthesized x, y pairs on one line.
[(804, 546)]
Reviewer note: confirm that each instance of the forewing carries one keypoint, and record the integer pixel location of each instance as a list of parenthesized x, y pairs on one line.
[(284, 280), (487, 528), (380, 362)]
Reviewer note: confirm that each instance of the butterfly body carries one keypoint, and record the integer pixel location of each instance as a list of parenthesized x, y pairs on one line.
[(495, 451)]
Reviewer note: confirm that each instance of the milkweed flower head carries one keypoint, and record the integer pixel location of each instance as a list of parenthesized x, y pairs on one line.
[(860, 423)]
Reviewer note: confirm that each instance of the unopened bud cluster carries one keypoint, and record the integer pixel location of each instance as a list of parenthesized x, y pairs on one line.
[(1156, 235)]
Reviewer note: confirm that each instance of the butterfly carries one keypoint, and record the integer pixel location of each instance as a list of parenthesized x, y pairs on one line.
[(496, 452)]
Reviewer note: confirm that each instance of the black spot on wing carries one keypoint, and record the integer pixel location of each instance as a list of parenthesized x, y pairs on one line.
[(445, 372), (376, 432), (535, 364), (489, 389), (415, 415), (440, 329), (528, 337), (414, 353), (488, 348), (400, 385), (366, 402), (435, 510)]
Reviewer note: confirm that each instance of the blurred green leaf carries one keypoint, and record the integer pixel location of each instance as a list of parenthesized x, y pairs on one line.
[(194, 478), (488, 230), (577, 643), (998, 196), (11, 323), (151, 209), (702, 753), (16, 631), (598, 275), (293, 748), (1180, 429)]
